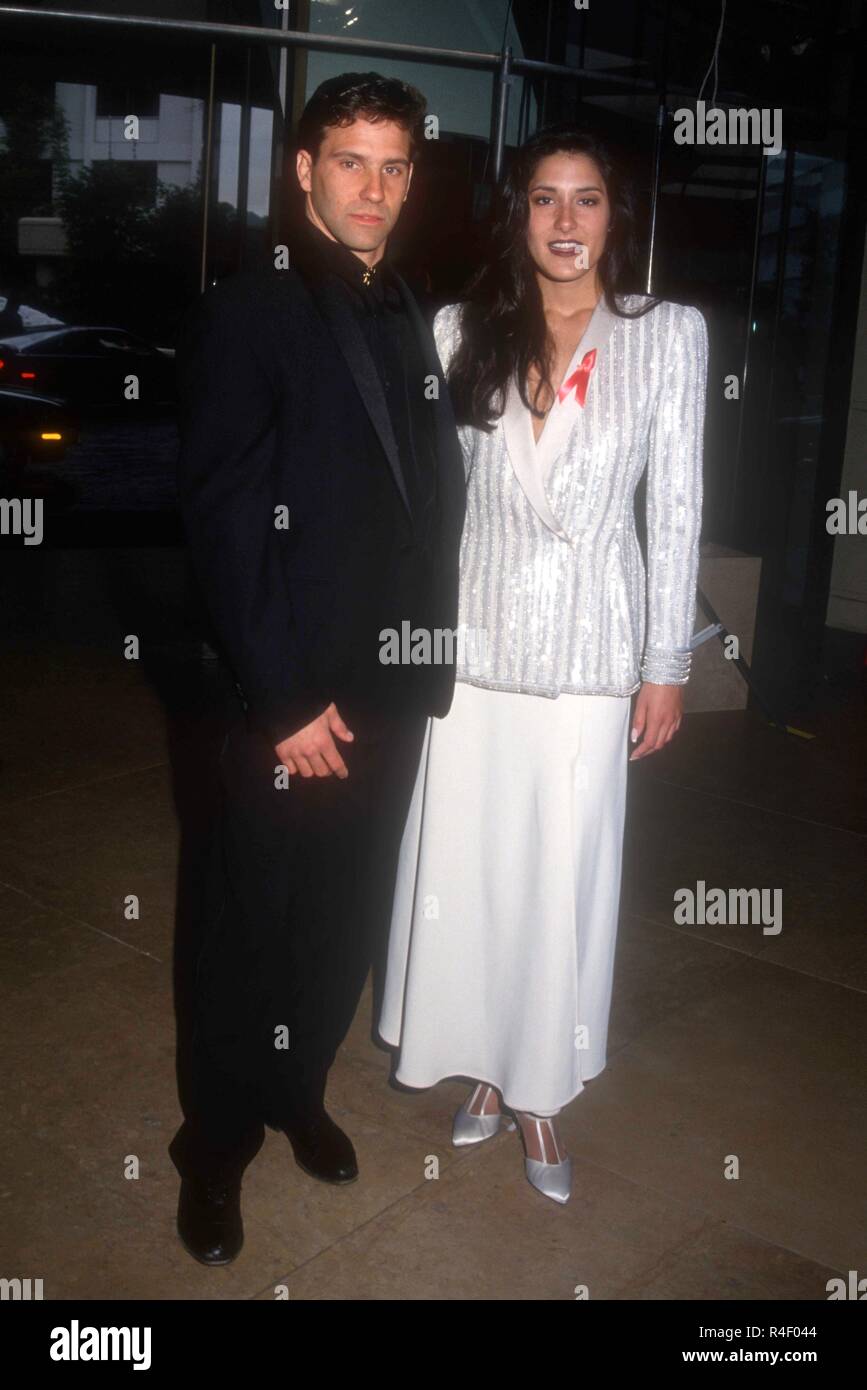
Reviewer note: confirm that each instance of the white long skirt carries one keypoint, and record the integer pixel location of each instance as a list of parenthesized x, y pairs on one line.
[(504, 926)]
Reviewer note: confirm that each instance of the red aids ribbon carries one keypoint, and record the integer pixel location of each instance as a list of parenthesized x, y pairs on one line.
[(580, 379)]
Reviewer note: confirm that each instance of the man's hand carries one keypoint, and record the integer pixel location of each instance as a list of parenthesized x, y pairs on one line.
[(658, 716), (312, 750)]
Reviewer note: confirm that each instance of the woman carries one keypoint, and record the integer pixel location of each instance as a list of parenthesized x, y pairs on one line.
[(565, 387)]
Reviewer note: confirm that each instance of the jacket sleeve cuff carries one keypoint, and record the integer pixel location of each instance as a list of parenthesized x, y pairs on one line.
[(666, 666), (279, 718)]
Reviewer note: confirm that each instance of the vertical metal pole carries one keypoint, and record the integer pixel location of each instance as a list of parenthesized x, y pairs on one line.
[(544, 114), (502, 100), (657, 166), (757, 241), (279, 141), (283, 74), (206, 177), (661, 113), (244, 164), (299, 62)]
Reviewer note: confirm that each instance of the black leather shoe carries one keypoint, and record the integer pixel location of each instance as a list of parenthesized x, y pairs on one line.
[(322, 1149), (209, 1219)]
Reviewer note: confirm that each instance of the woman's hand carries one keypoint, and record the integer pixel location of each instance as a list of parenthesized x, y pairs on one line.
[(658, 716)]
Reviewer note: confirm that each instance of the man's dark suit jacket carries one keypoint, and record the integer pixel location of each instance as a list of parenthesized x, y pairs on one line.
[(281, 406)]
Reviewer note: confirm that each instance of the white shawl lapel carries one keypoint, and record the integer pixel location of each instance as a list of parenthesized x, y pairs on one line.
[(532, 462)]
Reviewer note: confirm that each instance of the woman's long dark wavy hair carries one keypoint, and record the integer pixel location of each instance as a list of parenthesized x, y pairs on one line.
[(503, 328)]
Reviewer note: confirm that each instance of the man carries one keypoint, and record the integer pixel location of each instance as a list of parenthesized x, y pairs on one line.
[(322, 489)]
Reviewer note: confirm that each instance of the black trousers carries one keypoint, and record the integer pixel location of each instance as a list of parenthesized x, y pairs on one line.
[(297, 903)]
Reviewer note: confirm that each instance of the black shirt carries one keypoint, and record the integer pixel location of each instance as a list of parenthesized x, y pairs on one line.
[(379, 308)]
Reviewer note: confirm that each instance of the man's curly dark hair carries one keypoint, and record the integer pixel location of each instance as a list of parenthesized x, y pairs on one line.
[(367, 95)]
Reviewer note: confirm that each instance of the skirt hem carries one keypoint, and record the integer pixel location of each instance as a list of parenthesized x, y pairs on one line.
[(487, 1080)]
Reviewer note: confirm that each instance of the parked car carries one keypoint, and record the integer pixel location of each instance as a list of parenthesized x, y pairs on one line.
[(33, 429), (87, 366)]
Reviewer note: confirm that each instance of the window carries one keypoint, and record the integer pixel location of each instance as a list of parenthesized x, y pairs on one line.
[(117, 100)]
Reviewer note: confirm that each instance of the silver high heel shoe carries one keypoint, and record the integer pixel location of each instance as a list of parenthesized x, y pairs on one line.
[(551, 1179), (472, 1129)]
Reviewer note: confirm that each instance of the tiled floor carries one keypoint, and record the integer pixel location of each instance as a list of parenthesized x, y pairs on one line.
[(725, 1042)]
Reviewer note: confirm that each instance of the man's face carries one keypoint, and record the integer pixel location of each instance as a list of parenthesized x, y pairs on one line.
[(358, 183)]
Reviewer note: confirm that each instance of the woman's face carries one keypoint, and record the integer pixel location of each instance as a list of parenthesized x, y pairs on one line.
[(569, 216)]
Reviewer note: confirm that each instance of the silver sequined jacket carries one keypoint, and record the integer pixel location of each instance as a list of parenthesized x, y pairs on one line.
[(553, 592)]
